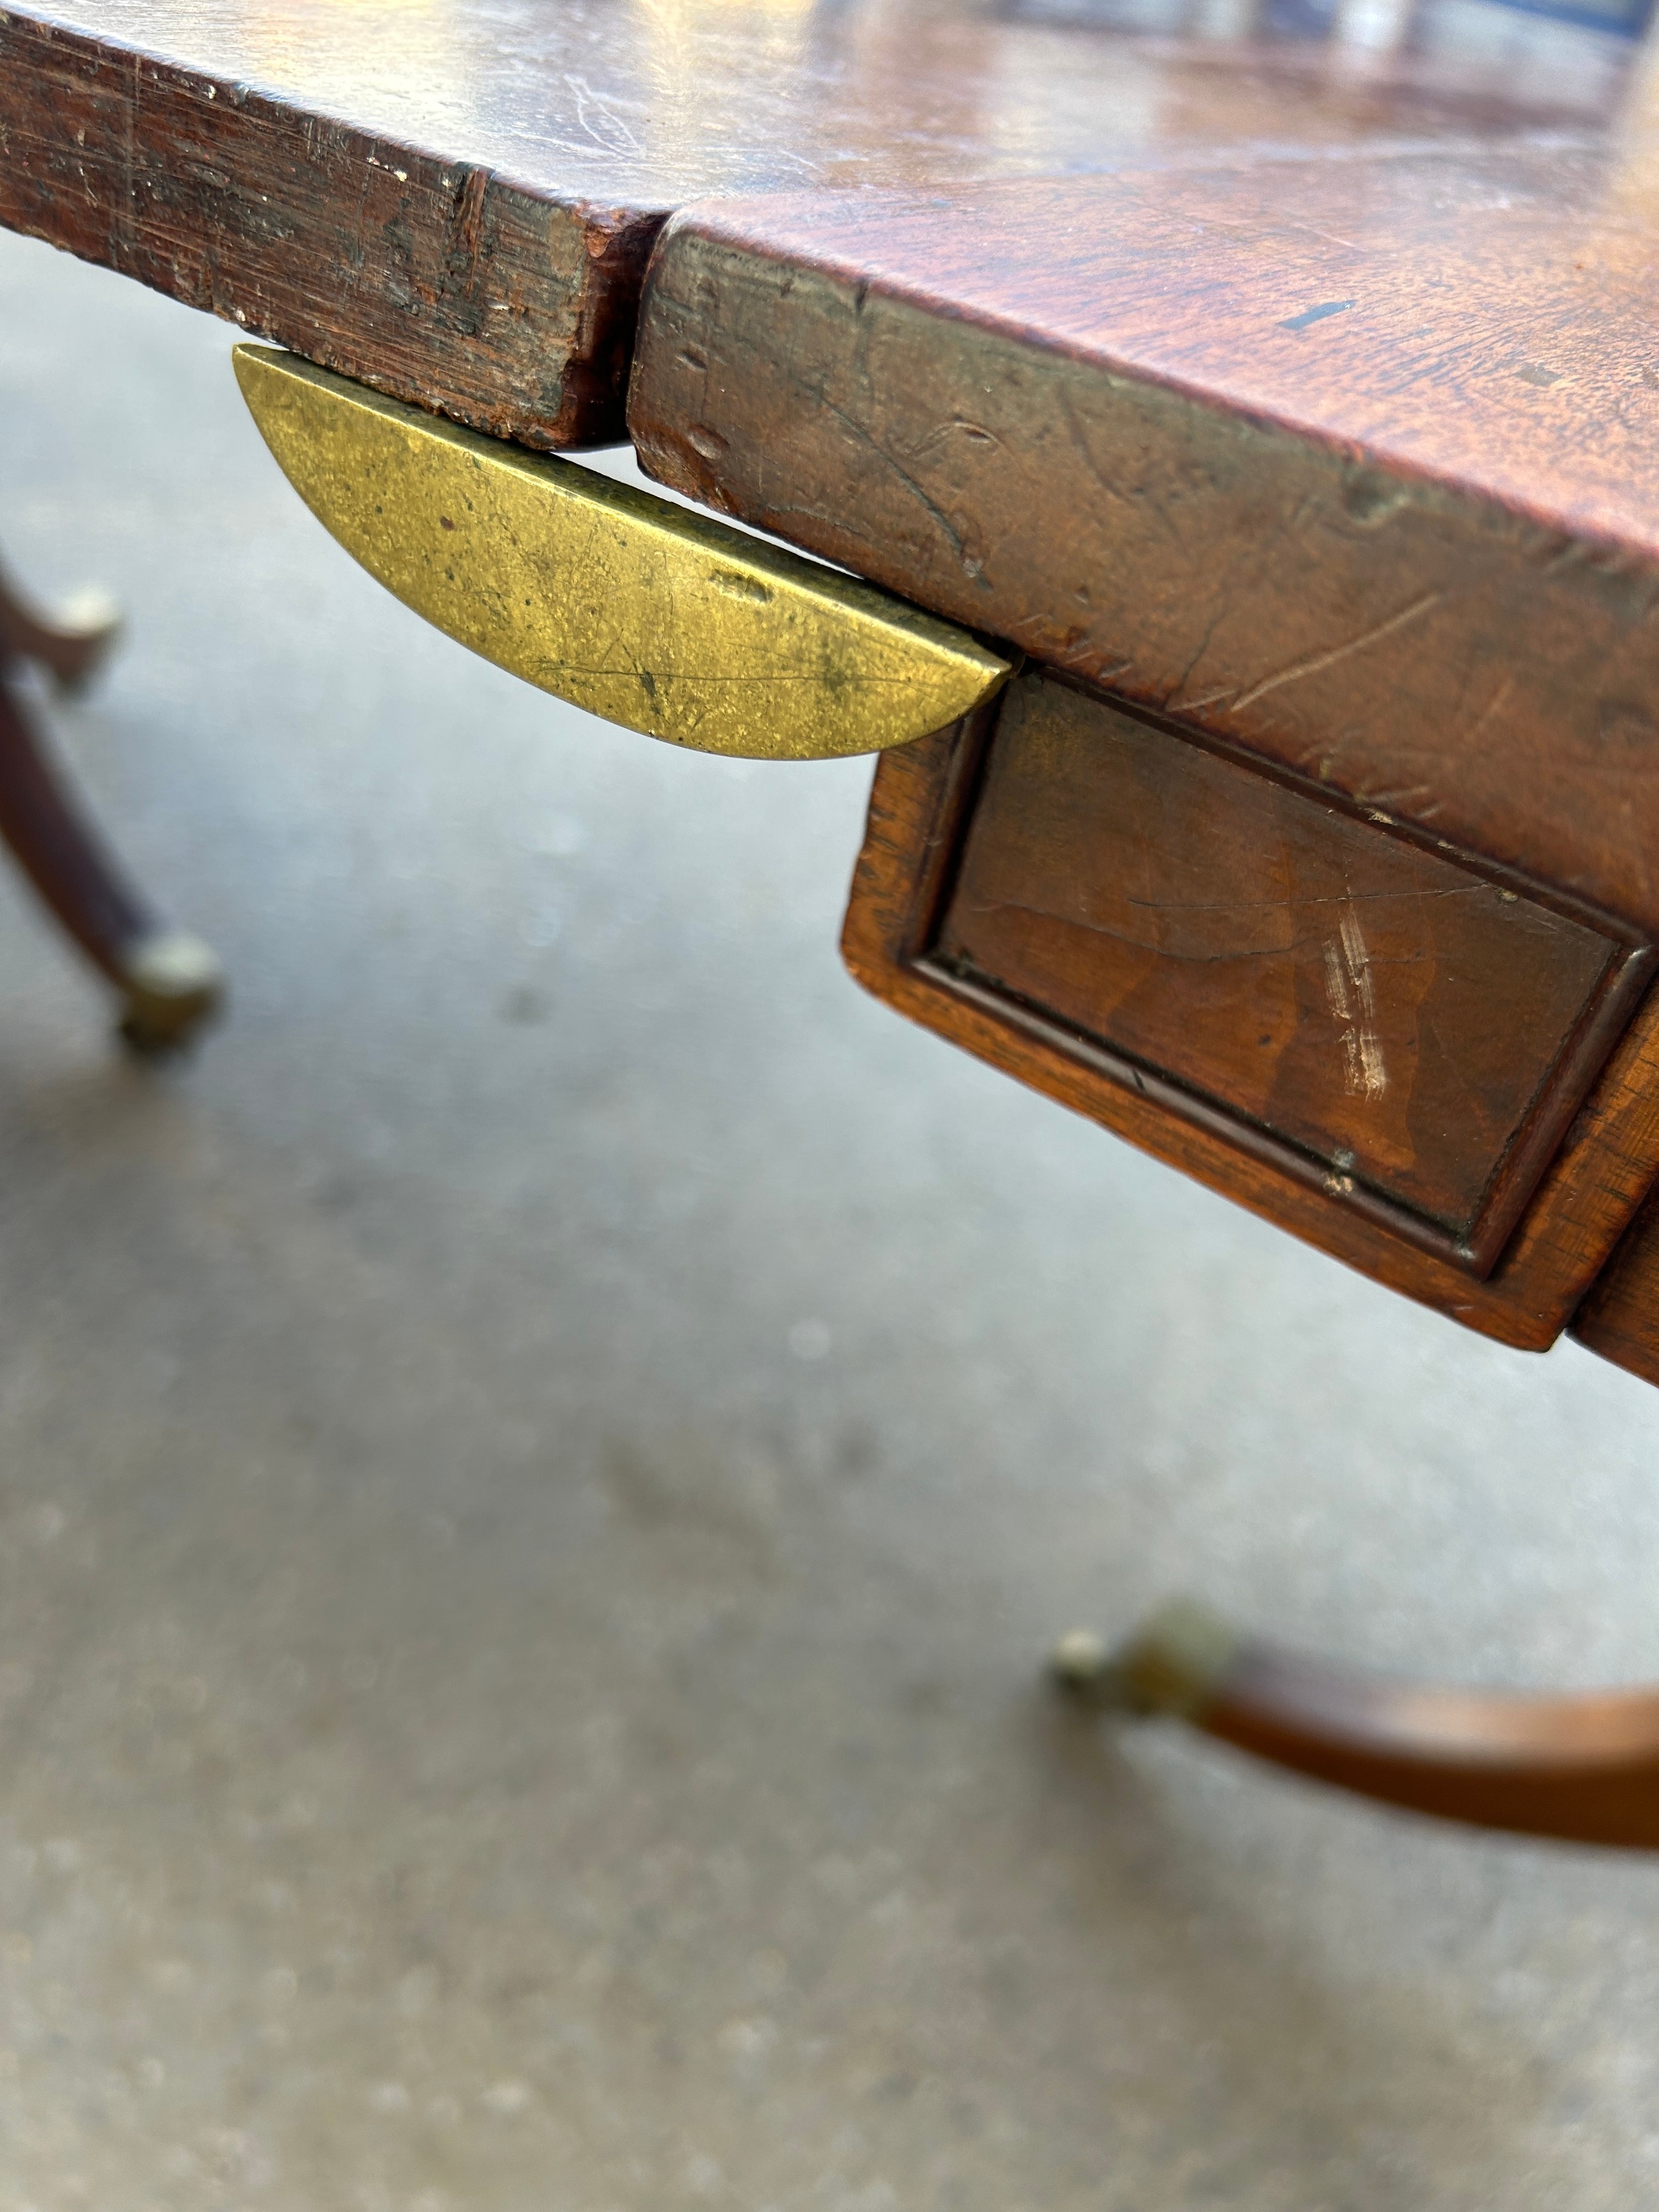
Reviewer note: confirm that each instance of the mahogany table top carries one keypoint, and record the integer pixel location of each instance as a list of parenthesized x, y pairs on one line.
[(455, 201), (1305, 387)]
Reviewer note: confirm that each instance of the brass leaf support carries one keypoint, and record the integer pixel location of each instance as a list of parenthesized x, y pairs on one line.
[(667, 621)]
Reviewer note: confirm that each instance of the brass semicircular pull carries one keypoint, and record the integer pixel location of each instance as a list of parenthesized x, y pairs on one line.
[(667, 621)]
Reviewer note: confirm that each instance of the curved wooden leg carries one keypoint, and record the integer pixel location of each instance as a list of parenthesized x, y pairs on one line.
[(169, 982), (1584, 1768), (70, 646)]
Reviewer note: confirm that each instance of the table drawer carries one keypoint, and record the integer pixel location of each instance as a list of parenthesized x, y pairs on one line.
[(1379, 1041)]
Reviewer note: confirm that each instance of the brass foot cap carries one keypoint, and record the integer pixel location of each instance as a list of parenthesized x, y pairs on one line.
[(173, 984), (1173, 1664), (87, 627)]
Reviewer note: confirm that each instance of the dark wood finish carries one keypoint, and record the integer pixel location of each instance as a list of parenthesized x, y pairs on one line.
[(415, 268), (453, 203), (920, 812), (168, 986), (1352, 464), (1405, 1034), (58, 850), (1582, 1768), (1620, 1317)]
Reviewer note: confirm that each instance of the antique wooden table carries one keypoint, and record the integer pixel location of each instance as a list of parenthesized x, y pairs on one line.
[(1240, 423)]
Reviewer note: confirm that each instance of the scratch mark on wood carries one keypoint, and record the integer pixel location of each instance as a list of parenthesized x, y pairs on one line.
[(1351, 990), (1493, 706), (1317, 662)]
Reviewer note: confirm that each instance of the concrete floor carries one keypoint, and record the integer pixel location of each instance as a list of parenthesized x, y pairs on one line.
[(536, 1475)]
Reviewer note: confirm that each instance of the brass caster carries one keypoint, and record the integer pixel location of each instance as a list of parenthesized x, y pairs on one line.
[(174, 987)]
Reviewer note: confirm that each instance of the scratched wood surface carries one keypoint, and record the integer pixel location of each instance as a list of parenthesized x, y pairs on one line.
[(1354, 464), (921, 809), (1392, 1018), (454, 202)]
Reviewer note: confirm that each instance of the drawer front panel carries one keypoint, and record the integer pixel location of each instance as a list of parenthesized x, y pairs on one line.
[(1381, 1010)]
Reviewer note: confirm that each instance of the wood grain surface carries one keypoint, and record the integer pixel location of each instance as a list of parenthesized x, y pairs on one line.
[(1620, 1317), (1354, 464), (1394, 1026), (453, 202), (1584, 1767), (923, 803)]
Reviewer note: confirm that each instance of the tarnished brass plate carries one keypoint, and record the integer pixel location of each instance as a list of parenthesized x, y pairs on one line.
[(667, 622)]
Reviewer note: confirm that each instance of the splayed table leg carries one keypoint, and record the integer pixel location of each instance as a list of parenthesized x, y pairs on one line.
[(1584, 1767), (170, 983)]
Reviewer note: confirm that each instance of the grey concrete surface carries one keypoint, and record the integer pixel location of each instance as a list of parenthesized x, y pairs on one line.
[(537, 1473)]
